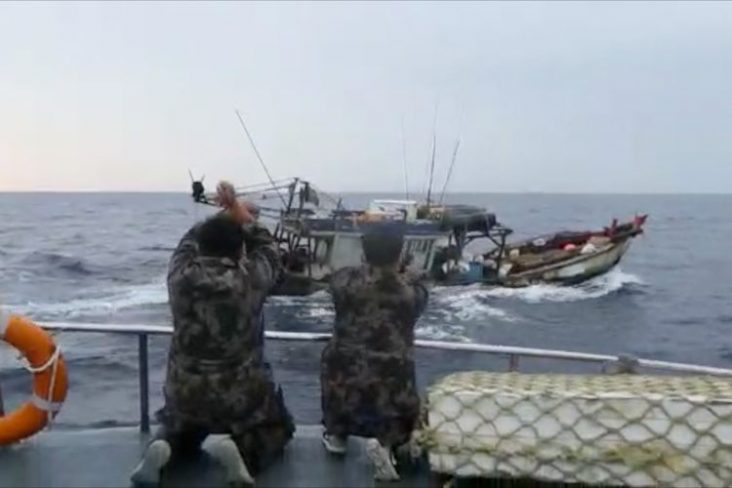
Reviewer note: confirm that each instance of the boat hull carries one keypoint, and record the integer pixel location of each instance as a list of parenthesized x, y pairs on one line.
[(572, 271), (565, 258)]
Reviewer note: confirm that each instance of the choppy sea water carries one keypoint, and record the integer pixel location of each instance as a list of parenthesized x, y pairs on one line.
[(103, 257)]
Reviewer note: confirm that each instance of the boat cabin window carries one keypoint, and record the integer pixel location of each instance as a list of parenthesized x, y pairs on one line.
[(418, 245)]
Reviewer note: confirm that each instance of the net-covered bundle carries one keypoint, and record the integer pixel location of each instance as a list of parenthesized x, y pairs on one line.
[(608, 430)]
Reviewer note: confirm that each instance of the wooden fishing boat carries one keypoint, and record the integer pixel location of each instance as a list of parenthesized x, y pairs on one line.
[(318, 235), (564, 257)]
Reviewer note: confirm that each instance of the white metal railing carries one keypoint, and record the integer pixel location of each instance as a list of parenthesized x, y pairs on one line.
[(511, 353)]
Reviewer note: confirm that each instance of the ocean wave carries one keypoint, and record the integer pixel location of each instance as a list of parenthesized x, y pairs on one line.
[(446, 306), (14, 275), (49, 263), (724, 318), (690, 321), (99, 424), (443, 332), (113, 300), (318, 307), (157, 248), (612, 282), (430, 331), (319, 297), (468, 303), (112, 365), (317, 312)]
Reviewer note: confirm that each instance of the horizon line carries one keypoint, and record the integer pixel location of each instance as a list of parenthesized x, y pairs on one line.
[(382, 192)]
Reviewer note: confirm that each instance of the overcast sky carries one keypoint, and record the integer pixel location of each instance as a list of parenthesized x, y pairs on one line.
[(555, 97)]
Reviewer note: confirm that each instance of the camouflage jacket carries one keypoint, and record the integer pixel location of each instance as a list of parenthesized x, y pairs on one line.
[(368, 383), (217, 303), (377, 311), (217, 378)]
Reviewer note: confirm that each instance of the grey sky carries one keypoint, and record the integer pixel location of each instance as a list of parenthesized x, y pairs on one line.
[(597, 97)]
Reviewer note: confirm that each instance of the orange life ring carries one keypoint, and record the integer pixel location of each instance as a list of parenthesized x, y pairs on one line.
[(50, 381)]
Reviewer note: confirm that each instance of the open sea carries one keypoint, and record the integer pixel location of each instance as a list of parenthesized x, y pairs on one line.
[(103, 258)]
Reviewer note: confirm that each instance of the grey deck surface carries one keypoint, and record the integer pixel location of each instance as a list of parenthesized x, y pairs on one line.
[(105, 458)]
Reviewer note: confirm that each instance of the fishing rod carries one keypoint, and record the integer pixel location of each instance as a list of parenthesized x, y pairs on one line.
[(259, 157), (432, 163), (432, 168), (449, 171), (454, 156), (404, 160)]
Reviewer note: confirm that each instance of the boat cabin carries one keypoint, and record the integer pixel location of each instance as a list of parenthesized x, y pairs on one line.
[(318, 235), (322, 244)]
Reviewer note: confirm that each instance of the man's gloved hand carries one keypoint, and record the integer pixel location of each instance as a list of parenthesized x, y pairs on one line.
[(226, 198)]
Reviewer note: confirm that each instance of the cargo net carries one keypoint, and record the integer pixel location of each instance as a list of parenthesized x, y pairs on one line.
[(620, 430)]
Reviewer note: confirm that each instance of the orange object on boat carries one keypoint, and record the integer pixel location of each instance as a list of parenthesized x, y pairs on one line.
[(370, 217), (50, 380)]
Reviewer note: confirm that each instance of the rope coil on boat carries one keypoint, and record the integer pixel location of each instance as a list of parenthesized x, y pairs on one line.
[(50, 382)]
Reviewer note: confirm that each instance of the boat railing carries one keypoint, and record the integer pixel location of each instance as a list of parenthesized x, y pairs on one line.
[(511, 353)]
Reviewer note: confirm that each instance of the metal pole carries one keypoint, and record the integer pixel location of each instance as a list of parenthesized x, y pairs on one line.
[(513, 363), (144, 384)]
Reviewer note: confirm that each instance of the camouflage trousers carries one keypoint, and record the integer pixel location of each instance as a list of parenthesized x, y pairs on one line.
[(368, 394), (238, 400)]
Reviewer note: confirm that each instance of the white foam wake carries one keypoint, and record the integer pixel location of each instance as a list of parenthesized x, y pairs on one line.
[(441, 333), (111, 301), (603, 285), (319, 307), (319, 297), (469, 303)]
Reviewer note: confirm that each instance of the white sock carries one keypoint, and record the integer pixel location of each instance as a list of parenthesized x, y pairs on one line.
[(383, 461), (223, 449), (156, 456)]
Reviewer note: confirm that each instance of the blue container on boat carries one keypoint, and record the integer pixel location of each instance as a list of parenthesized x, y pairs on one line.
[(475, 272)]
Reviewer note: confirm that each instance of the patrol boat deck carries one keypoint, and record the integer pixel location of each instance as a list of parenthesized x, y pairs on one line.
[(104, 457)]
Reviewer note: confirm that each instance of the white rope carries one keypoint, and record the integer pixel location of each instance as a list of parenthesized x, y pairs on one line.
[(48, 404), (47, 364)]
